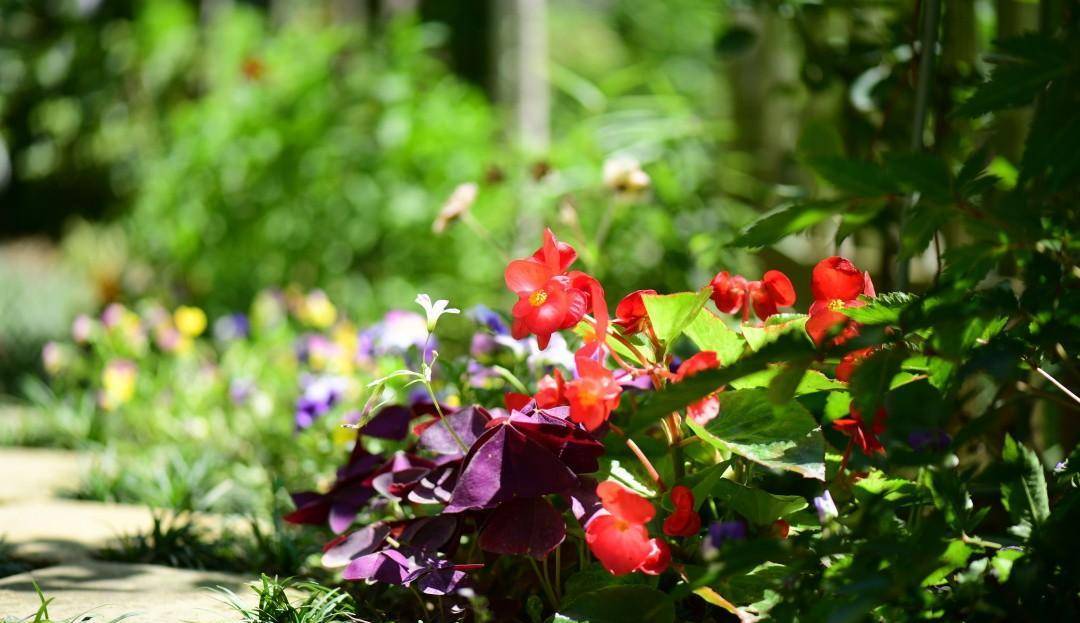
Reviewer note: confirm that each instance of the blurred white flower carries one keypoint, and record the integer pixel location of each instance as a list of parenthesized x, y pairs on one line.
[(623, 174), (434, 310)]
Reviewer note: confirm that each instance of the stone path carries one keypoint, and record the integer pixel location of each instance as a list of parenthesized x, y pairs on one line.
[(62, 536), (151, 593)]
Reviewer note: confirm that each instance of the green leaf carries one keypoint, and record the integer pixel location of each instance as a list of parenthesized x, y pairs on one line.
[(677, 396), (1036, 61), (857, 177), (917, 230), (1025, 497), (788, 380), (923, 173), (781, 436), (782, 222), (709, 332), (735, 41), (774, 327), (671, 313), (618, 604), (883, 309), (757, 506), (873, 378)]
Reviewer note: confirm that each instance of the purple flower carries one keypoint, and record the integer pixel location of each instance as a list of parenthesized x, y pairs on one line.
[(232, 327), (240, 391), (483, 345), (825, 507), (490, 319), (723, 531), (320, 394), (82, 328), (935, 440)]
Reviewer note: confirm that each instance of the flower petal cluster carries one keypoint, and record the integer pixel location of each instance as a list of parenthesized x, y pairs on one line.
[(684, 521), (732, 293)]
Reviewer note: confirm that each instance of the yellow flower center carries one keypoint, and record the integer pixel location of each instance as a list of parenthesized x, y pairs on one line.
[(836, 305), (536, 299)]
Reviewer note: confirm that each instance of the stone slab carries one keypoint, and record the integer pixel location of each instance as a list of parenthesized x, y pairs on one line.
[(68, 530), (153, 594), (39, 473)]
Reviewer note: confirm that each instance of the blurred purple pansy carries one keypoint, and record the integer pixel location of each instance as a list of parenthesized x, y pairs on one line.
[(935, 440), (488, 318), (231, 327), (724, 531), (320, 394)]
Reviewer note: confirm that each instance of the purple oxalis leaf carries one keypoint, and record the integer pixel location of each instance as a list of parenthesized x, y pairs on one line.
[(468, 423), (390, 423), (529, 526), (342, 550)]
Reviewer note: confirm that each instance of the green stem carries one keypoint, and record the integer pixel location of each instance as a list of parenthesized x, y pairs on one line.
[(544, 583)]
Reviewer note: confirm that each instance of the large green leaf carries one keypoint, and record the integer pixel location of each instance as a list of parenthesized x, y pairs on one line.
[(618, 604), (1034, 61), (709, 332), (677, 396), (782, 222), (926, 174), (812, 381), (671, 313), (757, 506), (782, 436)]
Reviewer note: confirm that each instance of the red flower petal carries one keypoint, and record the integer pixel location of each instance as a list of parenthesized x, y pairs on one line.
[(779, 288), (729, 292), (836, 278), (705, 360), (619, 545), (658, 560), (524, 277), (624, 504), (558, 256), (630, 314), (763, 303)]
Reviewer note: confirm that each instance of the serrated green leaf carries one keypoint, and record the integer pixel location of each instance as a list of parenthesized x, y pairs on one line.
[(873, 378), (882, 309), (781, 436), (709, 332), (782, 222), (1037, 60), (917, 229), (812, 381), (1025, 496), (671, 313)]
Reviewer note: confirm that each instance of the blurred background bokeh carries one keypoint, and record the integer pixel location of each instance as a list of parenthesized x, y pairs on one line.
[(199, 151)]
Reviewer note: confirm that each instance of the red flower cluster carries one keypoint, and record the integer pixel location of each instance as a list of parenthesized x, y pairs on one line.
[(684, 521), (734, 292), (618, 537), (864, 434)]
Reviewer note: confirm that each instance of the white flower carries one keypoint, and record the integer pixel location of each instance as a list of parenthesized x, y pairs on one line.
[(623, 174), (434, 310)]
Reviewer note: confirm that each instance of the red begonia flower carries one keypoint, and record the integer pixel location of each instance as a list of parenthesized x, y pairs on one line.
[(704, 410), (864, 434), (593, 395), (618, 537), (684, 521), (836, 284), (516, 401), (780, 529), (733, 292), (630, 314), (549, 298), (550, 391)]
